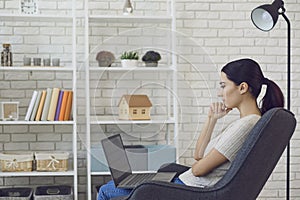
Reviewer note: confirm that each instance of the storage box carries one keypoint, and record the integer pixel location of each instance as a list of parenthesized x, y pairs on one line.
[(137, 156), (54, 192), (98, 161), (16, 161), (18, 193), (51, 161), (159, 155)]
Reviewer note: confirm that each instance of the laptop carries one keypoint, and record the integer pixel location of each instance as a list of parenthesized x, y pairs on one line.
[(120, 169)]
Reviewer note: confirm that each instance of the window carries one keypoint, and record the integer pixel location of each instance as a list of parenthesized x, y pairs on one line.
[(134, 111), (143, 111)]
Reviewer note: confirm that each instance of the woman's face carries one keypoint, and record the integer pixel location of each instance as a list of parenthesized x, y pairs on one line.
[(229, 92)]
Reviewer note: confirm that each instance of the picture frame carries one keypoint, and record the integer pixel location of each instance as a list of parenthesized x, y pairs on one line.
[(9, 111)]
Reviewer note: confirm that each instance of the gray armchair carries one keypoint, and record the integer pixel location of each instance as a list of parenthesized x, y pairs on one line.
[(248, 173)]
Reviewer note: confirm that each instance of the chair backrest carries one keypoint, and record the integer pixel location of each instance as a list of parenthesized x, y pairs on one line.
[(258, 156)]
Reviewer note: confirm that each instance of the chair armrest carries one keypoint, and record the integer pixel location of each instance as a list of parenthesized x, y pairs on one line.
[(173, 167)]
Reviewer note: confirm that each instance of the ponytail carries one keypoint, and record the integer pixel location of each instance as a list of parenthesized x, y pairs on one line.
[(273, 97)]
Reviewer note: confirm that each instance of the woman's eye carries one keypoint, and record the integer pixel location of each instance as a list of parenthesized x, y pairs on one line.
[(222, 86)]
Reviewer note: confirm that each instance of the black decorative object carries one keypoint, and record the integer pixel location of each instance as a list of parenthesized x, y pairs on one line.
[(151, 58)]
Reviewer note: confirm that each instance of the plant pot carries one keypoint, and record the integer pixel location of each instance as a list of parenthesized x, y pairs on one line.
[(151, 64), (105, 63), (129, 63)]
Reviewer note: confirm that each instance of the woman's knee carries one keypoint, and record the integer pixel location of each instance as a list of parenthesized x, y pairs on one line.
[(105, 190), (109, 191)]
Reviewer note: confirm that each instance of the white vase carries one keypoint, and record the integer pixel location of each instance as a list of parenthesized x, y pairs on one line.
[(129, 63)]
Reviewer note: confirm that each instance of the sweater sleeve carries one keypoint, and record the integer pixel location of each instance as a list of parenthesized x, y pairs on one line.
[(234, 136)]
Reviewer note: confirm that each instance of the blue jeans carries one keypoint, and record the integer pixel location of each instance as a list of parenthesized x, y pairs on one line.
[(109, 190)]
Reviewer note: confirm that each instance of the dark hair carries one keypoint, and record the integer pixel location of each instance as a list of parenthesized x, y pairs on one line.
[(247, 70)]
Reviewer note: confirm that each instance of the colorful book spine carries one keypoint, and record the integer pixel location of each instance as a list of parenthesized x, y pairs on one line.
[(36, 105), (46, 105), (68, 106), (53, 104), (63, 106), (41, 106), (60, 96), (31, 105)]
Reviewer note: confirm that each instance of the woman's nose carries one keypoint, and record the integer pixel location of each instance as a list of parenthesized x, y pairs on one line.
[(220, 92)]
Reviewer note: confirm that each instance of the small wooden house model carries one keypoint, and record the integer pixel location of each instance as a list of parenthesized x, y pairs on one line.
[(134, 107)]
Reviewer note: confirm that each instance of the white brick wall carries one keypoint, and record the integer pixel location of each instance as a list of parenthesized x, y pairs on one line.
[(230, 35), (210, 34)]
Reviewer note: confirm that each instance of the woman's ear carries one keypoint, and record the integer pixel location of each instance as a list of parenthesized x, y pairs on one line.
[(244, 87)]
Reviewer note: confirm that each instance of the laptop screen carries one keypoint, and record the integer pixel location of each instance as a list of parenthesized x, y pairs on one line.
[(116, 158)]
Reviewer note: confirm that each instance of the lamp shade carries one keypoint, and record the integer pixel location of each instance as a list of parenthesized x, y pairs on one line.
[(265, 17)]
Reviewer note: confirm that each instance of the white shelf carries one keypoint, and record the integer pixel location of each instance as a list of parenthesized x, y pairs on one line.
[(25, 68), (35, 17), (130, 19), (37, 122), (142, 68), (35, 173), (100, 173), (108, 173), (115, 120)]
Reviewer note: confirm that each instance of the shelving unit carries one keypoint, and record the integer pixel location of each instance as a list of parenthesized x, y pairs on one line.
[(130, 19), (22, 68), (165, 72), (115, 120), (166, 69), (40, 17), (71, 20), (108, 173), (20, 174), (20, 122)]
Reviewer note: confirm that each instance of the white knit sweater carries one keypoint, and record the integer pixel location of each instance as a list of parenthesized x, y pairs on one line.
[(227, 143)]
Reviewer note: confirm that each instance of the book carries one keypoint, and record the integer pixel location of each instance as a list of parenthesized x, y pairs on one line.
[(60, 96), (36, 105), (31, 105), (46, 105), (68, 106), (63, 106), (53, 104), (41, 106)]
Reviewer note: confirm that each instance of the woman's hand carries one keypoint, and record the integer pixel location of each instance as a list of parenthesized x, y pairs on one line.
[(218, 110)]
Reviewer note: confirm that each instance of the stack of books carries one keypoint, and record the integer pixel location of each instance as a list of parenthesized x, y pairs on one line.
[(53, 104)]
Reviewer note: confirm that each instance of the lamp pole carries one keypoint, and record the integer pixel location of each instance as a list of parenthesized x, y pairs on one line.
[(288, 100), (264, 18)]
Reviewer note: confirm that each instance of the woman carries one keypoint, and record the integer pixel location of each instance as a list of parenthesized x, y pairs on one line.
[(240, 85)]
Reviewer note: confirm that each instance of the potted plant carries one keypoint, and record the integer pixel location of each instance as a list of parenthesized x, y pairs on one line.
[(105, 58), (129, 59), (151, 58)]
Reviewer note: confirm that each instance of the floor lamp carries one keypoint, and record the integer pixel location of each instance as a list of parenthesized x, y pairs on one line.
[(264, 18)]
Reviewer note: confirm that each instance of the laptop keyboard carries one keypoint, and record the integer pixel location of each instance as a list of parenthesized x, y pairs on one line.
[(140, 178)]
